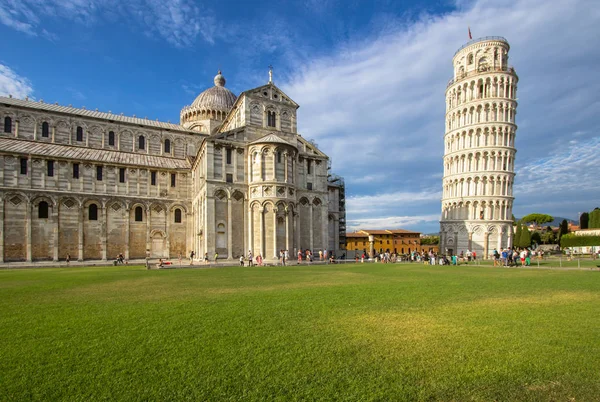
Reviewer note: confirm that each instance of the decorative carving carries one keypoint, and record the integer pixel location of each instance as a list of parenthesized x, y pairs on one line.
[(16, 200), (281, 190), (69, 203), (237, 195), (158, 209), (221, 194), (267, 190), (27, 121), (116, 206)]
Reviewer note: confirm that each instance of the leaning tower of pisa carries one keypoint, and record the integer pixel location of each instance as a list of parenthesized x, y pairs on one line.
[(479, 149)]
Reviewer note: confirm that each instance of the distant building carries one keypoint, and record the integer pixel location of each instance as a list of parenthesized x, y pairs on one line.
[(397, 241)]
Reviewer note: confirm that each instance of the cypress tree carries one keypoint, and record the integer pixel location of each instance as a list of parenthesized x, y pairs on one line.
[(594, 219), (517, 237), (584, 220), (563, 229), (525, 237)]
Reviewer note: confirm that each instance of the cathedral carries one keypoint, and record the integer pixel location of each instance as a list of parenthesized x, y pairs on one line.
[(233, 177)]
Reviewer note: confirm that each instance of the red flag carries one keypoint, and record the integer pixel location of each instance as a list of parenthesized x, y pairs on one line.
[(470, 37)]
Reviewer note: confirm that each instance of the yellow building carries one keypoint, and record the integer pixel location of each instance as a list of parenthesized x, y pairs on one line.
[(397, 241)]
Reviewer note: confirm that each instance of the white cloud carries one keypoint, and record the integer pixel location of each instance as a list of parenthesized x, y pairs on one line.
[(362, 204), (13, 84), (393, 222), (179, 22), (376, 106)]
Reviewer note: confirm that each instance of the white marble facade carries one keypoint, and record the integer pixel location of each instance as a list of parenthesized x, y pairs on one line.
[(479, 152), (234, 176)]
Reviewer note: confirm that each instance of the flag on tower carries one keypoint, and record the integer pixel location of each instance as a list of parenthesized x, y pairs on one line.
[(470, 37)]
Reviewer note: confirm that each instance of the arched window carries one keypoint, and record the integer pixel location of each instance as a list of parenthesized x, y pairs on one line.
[(270, 118), (139, 214), (45, 129), (178, 215), (79, 133), (7, 125), (93, 212), (167, 146), (111, 138), (141, 142), (43, 210)]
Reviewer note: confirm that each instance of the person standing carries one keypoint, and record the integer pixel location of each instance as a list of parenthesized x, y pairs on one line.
[(191, 257), (68, 259), (241, 260), (216, 257), (250, 263)]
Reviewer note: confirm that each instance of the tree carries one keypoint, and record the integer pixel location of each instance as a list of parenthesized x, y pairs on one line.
[(536, 237), (594, 222), (563, 229), (584, 220), (517, 240), (538, 219), (430, 240), (525, 240), (548, 237)]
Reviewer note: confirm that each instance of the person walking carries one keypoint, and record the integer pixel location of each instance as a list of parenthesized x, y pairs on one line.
[(192, 257)]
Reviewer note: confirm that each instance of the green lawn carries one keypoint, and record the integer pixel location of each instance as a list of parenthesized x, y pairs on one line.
[(345, 332)]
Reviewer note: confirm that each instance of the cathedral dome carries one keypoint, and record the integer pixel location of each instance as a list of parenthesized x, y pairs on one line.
[(217, 97)]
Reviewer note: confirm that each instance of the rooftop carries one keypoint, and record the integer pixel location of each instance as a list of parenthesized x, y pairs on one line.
[(84, 154), (485, 38), (41, 105)]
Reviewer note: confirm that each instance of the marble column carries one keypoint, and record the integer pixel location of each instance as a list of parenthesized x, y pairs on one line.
[(127, 230), (250, 244), (80, 242), (312, 225), (261, 229), (275, 250), (287, 230), (229, 229), (55, 231), (103, 236), (148, 244), (167, 252), (297, 232)]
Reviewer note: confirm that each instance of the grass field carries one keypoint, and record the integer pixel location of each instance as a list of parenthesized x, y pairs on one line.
[(345, 332)]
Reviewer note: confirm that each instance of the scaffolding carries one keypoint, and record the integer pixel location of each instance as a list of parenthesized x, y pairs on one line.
[(337, 181)]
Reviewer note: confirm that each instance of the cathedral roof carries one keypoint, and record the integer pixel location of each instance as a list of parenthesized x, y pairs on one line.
[(271, 139), (36, 148), (39, 105), (217, 97)]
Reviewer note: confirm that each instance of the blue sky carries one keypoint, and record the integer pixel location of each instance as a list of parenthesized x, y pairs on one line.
[(369, 77)]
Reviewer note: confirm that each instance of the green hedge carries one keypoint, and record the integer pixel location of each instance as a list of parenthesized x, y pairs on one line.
[(571, 240)]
